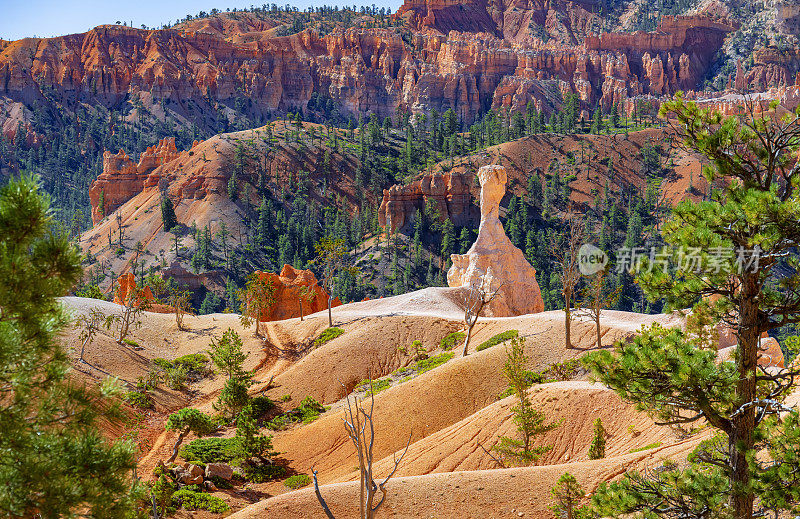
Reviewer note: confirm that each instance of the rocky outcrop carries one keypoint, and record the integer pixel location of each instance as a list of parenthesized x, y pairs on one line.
[(493, 261), (366, 69), (289, 286), (122, 179), (448, 192)]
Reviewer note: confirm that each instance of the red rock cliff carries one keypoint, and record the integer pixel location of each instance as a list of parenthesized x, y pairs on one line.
[(449, 192), (368, 69), (288, 286), (122, 179)]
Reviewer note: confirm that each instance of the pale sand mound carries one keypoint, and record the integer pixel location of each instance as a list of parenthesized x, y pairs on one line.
[(575, 405), (500, 493), (427, 403)]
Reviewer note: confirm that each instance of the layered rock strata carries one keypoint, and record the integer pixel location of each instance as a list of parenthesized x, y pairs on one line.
[(493, 262), (448, 192), (364, 69)]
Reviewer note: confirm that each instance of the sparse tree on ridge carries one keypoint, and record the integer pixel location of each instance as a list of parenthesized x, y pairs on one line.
[(474, 300), (564, 249), (332, 257), (257, 297)]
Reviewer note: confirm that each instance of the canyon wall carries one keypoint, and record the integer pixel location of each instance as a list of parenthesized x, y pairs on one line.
[(363, 69)]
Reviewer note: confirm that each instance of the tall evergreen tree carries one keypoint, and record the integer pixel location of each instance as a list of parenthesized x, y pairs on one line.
[(53, 460)]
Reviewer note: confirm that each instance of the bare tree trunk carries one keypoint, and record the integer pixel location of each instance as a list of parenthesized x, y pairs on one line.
[(301, 308), (181, 436), (567, 317), (466, 340), (330, 316), (597, 328)]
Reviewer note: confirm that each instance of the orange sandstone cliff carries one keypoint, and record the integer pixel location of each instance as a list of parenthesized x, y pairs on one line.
[(288, 291)]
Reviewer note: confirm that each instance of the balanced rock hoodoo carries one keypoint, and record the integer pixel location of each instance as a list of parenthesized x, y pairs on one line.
[(494, 260)]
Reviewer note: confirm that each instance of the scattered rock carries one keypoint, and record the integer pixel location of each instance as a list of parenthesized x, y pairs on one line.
[(220, 470)]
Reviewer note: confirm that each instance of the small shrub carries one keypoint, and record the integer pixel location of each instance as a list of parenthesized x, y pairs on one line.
[(497, 339), (263, 472), (137, 399), (261, 405), (297, 481), (131, 343), (195, 362), (176, 376), (310, 409), (285, 398), (437, 360), (417, 350), (377, 385), (451, 339), (328, 335), (279, 423), (566, 370), (189, 500), (647, 447)]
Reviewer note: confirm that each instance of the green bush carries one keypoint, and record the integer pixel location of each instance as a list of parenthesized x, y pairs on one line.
[(263, 472), (377, 385), (194, 362), (261, 405), (497, 339), (451, 339), (428, 364), (647, 447), (309, 409), (131, 343), (279, 423), (212, 450), (328, 335), (137, 399), (297, 481), (189, 500)]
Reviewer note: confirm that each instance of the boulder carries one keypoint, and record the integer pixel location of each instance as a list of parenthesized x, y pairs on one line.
[(220, 470), (493, 260)]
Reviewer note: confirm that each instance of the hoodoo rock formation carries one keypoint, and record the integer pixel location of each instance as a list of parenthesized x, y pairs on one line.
[(476, 54), (449, 192), (122, 179), (493, 260), (288, 291)]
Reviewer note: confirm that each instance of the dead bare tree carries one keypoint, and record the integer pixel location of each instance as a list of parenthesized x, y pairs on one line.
[(564, 249), (595, 299), (130, 312), (359, 426), (474, 301), (89, 325)]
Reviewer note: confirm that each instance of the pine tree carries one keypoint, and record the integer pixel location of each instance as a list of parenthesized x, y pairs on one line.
[(598, 448), (747, 233), (168, 217), (228, 356), (55, 462), (568, 494), (530, 422)]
